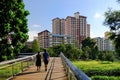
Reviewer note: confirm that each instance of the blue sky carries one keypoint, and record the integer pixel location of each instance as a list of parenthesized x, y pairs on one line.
[(43, 11)]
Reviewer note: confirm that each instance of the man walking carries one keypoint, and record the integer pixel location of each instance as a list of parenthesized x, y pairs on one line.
[(45, 59)]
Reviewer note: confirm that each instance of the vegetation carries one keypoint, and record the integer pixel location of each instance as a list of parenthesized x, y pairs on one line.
[(90, 49), (112, 19), (69, 51), (105, 78), (35, 46), (106, 56), (13, 28), (6, 72), (26, 49), (100, 70), (87, 53)]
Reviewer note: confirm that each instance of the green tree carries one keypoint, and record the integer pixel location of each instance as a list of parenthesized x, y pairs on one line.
[(86, 53), (58, 48), (90, 44), (69, 51), (13, 27), (72, 52), (26, 49), (106, 55), (50, 51), (112, 19), (35, 46)]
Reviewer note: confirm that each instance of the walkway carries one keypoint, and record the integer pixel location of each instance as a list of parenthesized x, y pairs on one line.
[(58, 72)]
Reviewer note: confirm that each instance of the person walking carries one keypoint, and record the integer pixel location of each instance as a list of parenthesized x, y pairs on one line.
[(38, 61), (45, 59)]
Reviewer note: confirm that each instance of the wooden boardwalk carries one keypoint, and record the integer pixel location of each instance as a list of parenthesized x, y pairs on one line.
[(58, 72)]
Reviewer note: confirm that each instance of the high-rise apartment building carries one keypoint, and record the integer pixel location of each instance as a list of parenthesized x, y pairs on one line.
[(72, 30), (62, 27), (58, 26), (56, 39), (75, 26), (104, 44), (88, 30), (43, 38), (100, 43), (46, 39)]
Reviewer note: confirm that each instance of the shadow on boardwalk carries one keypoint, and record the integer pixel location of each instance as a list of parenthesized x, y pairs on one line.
[(58, 72)]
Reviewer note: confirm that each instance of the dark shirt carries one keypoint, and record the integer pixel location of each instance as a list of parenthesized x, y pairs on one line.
[(38, 60), (46, 56)]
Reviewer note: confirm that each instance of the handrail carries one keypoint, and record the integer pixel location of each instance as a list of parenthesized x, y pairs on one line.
[(16, 60), (10, 66), (72, 71)]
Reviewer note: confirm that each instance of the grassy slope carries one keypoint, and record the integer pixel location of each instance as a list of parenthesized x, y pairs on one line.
[(102, 65), (98, 66)]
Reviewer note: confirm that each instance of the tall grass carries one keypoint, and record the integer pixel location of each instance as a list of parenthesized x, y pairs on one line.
[(100, 68), (7, 72), (99, 65)]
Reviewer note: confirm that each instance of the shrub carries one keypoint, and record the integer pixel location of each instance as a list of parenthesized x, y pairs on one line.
[(111, 72), (105, 78)]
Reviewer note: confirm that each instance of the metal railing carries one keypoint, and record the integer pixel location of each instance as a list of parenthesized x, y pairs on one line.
[(9, 69), (72, 71)]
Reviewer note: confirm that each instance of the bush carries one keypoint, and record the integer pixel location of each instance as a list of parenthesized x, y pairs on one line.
[(99, 68), (69, 51), (105, 78), (106, 55), (111, 72)]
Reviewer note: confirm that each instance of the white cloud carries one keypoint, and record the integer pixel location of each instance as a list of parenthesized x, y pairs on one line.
[(36, 25), (32, 34), (98, 15)]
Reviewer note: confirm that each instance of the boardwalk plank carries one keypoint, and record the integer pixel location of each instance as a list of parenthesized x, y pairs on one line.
[(31, 74), (58, 71)]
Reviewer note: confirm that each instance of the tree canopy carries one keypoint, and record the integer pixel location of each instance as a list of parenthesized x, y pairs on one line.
[(112, 19), (35, 46), (69, 51), (89, 47), (13, 27)]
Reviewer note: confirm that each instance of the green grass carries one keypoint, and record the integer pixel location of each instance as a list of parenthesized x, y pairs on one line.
[(7, 72), (106, 69), (105, 78), (102, 65)]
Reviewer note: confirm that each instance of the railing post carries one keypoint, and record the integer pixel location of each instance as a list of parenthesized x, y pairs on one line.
[(71, 76), (13, 69), (72, 71), (28, 63), (12, 65), (68, 72), (21, 67)]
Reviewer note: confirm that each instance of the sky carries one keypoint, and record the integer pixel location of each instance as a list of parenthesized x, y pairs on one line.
[(43, 11)]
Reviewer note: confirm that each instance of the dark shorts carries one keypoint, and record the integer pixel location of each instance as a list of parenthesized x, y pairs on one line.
[(46, 62), (38, 63)]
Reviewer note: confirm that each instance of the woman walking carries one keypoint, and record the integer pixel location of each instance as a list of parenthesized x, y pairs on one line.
[(38, 61)]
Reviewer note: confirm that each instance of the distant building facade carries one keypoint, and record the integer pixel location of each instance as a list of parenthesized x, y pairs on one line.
[(43, 38), (88, 30), (29, 43), (47, 39), (76, 27), (71, 30), (104, 44), (56, 39)]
